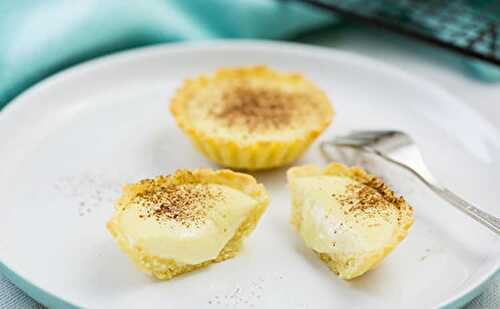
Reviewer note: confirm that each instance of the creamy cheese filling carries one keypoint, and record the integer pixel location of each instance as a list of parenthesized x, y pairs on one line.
[(337, 216), (195, 238)]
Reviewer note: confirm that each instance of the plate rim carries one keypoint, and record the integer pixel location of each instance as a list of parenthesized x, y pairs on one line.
[(15, 105)]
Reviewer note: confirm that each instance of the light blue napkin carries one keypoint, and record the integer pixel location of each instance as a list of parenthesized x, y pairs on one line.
[(38, 38)]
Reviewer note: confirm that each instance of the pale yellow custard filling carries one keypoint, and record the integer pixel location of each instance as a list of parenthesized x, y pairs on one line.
[(260, 110), (351, 219), (331, 223), (189, 235)]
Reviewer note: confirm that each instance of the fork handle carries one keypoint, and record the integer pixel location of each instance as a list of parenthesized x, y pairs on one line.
[(490, 221)]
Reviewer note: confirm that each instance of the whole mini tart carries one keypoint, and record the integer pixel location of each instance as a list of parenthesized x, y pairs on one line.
[(252, 117), (350, 218), (178, 223)]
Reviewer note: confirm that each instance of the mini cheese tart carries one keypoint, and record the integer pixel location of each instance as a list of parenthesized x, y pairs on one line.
[(174, 224), (253, 117), (350, 218)]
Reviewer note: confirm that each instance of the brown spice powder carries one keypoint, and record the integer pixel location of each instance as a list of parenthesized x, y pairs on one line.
[(187, 203), (360, 197), (258, 108)]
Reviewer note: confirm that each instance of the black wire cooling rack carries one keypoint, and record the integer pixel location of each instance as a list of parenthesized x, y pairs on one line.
[(469, 27)]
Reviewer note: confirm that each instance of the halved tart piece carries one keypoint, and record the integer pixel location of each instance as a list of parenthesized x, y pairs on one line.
[(178, 223), (350, 218)]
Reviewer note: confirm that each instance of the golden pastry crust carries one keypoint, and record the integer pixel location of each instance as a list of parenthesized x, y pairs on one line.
[(264, 108), (167, 268), (349, 267)]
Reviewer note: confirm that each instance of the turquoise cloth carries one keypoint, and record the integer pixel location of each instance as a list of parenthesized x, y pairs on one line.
[(38, 38)]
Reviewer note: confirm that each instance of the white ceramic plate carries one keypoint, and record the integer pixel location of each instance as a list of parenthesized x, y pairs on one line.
[(69, 143)]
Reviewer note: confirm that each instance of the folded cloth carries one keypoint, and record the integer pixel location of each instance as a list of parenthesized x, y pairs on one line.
[(38, 38)]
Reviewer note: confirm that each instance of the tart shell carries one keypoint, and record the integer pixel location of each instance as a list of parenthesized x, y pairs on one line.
[(368, 260), (241, 154), (163, 268)]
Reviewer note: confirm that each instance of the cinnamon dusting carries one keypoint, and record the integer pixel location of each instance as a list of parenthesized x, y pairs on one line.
[(186, 203), (258, 108), (362, 198)]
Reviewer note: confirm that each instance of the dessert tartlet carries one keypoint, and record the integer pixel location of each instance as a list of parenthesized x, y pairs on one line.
[(252, 117), (350, 218), (178, 223)]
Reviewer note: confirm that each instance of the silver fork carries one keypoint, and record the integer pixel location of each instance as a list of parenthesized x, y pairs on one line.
[(399, 148)]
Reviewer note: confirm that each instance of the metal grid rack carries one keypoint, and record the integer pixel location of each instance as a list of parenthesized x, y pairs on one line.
[(470, 27)]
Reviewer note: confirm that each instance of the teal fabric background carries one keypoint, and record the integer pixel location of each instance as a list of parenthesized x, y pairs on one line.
[(38, 38)]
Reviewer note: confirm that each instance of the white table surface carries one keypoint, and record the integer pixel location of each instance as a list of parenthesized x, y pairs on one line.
[(415, 57)]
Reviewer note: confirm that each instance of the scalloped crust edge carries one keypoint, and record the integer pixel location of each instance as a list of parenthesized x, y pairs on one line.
[(263, 154)]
